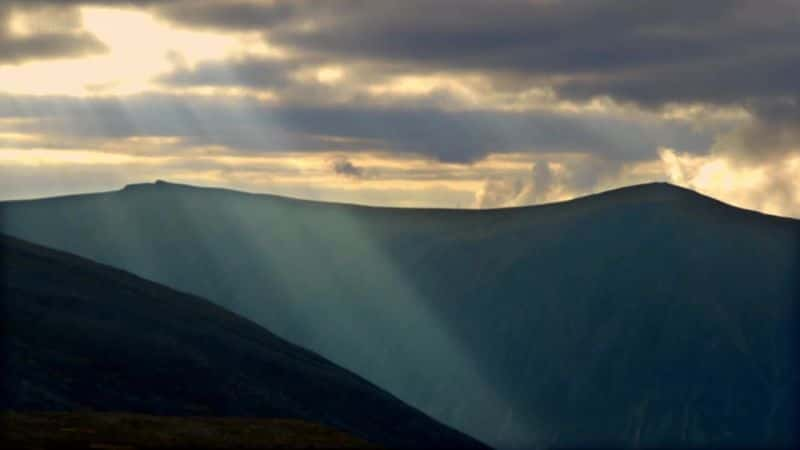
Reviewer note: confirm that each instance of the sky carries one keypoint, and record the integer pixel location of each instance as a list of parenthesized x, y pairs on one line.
[(446, 103)]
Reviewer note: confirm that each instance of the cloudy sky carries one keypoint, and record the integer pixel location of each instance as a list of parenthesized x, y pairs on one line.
[(444, 103)]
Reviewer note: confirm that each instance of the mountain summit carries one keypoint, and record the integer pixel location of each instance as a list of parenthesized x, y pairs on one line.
[(644, 316)]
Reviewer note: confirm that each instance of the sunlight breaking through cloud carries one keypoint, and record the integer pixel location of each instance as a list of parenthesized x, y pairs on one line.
[(206, 92)]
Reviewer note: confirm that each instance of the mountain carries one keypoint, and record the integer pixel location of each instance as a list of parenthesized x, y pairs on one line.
[(78, 335), (116, 430), (645, 316)]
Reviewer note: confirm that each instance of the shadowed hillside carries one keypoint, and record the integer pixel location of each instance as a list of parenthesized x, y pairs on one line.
[(77, 335), (648, 315), (85, 430)]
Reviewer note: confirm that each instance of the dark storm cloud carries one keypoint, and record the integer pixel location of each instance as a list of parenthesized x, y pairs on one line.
[(785, 111), (459, 136), (526, 36), (572, 37), (469, 135), (231, 14), (719, 52), (60, 37), (254, 73), (745, 80)]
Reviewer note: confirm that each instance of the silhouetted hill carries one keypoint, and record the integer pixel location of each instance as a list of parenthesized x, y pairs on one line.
[(649, 315), (121, 431), (78, 335)]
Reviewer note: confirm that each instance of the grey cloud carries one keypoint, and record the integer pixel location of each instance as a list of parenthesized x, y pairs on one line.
[(343, 166), (542, 184), (235, 14), (53, 45), (59, 36), (744, 80), (584, 176), (71, 3), (723, 52), (469, 135), (518, 190), (610, 41), (254, 73), (771, 132), (780, 113), (498, 192), (770, 138), (542, 180), (279, 76), (517, 35), (249, 125), (652, 54)]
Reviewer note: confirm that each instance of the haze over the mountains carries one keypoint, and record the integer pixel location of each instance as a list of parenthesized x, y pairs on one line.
[(80, 336), (645, 316)]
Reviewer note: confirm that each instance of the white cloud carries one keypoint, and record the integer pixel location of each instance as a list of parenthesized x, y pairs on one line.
[(771, 186)]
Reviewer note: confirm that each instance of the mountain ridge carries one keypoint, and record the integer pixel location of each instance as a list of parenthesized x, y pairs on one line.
[(559, 321), (659, 188)]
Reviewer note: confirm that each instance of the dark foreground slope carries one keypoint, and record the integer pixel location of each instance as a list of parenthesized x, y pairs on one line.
[(649, 315), (114, 430), (78, 335)]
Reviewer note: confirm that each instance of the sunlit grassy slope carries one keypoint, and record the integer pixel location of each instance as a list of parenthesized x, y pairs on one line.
[(649, 315), (138, 431), (78, 335)]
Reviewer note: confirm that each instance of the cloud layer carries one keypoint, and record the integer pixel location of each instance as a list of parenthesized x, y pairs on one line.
[(30, 31), (249, 125), (718, 53), (586, 94)]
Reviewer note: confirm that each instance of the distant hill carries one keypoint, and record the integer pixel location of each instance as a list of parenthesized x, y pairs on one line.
[(79, 336), (644, 316)]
